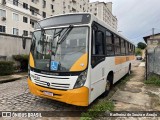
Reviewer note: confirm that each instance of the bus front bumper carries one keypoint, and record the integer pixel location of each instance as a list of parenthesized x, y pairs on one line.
[(79, 96)]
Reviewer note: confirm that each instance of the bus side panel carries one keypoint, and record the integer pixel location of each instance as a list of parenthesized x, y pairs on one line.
[(99, 75)]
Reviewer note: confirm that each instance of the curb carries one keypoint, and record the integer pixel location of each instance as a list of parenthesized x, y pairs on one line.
[(12, 79)]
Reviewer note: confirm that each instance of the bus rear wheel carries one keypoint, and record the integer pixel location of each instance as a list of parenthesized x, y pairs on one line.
[(129, 70)]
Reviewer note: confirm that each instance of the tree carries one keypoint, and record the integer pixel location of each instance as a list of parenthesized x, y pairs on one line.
[(138, 51), (141, 45)]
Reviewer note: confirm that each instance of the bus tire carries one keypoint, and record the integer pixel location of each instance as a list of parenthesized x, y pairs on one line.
[(129, 69), (109, 84)]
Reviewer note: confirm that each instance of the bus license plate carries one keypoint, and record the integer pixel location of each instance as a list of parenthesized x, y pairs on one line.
[(48, 93)]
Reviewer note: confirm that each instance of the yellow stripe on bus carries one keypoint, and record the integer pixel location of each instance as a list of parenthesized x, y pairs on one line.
[(123, 59), (80, 64), (31, 60)]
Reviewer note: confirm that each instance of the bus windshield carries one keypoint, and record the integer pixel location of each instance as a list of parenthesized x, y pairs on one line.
[(58, 49)]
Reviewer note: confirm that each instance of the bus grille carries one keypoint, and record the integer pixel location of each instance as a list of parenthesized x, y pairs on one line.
[(52, 85)]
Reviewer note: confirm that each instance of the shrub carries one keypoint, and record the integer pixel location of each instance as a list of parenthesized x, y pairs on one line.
[(6, 67), (23, 59)]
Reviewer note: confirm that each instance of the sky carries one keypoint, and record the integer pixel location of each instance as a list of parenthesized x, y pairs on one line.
[(136, 18)]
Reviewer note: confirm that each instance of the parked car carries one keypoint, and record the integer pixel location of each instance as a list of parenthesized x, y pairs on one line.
[(138, 57)]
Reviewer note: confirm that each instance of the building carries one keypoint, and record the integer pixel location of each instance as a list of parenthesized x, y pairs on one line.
[(104, 12), (70, 6), (19, 16), (152, 40), (152, 55)]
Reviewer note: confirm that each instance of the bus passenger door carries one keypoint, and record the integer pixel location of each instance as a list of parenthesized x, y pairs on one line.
[(97, 62)]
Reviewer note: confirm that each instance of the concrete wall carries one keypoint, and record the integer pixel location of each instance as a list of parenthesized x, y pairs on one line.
[(12, 45)]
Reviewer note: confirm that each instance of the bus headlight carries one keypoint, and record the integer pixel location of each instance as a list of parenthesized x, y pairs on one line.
[(81, 80)]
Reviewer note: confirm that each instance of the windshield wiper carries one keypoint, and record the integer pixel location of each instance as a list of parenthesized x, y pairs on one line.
[(63, 37), (43, 32), (65, 34)]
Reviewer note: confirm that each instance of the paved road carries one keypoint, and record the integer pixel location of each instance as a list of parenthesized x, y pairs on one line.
[(15, 96)]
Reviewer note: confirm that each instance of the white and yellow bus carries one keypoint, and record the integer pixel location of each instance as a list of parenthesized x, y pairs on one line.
[(74, 58)]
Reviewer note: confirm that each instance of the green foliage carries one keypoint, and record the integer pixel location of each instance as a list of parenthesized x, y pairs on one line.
[(141, 45), (154, 80), (20, 57), (138, 51), (6, 68), (98, 109), (23, 59)]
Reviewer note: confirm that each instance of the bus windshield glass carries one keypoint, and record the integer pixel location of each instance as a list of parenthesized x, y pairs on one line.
[(58, 49)]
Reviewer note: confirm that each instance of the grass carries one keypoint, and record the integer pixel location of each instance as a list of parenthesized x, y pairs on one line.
[(105, 104), (96, 110), (153, 80)]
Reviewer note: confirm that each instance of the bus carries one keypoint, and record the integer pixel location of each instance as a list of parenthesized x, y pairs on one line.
[(74, 58)]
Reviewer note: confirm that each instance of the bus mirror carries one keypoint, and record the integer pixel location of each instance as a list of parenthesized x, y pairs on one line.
[(23, 42)]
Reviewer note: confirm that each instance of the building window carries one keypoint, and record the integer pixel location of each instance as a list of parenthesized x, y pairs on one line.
[(15, 17), (32, 23), (15, 31), (25, 19), (2, 28), (69, 7), (31, 33), (33, 12), (25, 33), (44, 14), (52, 7), (2, 13), (25, 6), (44, 3), (15, 2), (34, 1)]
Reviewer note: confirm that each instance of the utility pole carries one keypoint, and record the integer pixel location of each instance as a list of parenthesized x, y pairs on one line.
[(153, 32)]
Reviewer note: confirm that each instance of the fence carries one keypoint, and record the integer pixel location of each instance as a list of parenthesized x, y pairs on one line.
[(153, 61)]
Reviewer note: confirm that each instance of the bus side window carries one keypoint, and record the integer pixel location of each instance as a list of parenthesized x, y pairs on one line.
[(123, 49), (127, 48), (97, 47), (109, 44), (98, 43)]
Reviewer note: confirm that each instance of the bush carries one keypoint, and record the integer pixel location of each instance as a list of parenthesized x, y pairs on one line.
[(23, 59), (6, 67)]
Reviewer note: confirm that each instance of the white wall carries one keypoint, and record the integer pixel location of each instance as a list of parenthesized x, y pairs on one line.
[(12, 45)]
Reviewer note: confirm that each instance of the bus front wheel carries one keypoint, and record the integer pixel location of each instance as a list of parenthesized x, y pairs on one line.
[(109, 83)]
